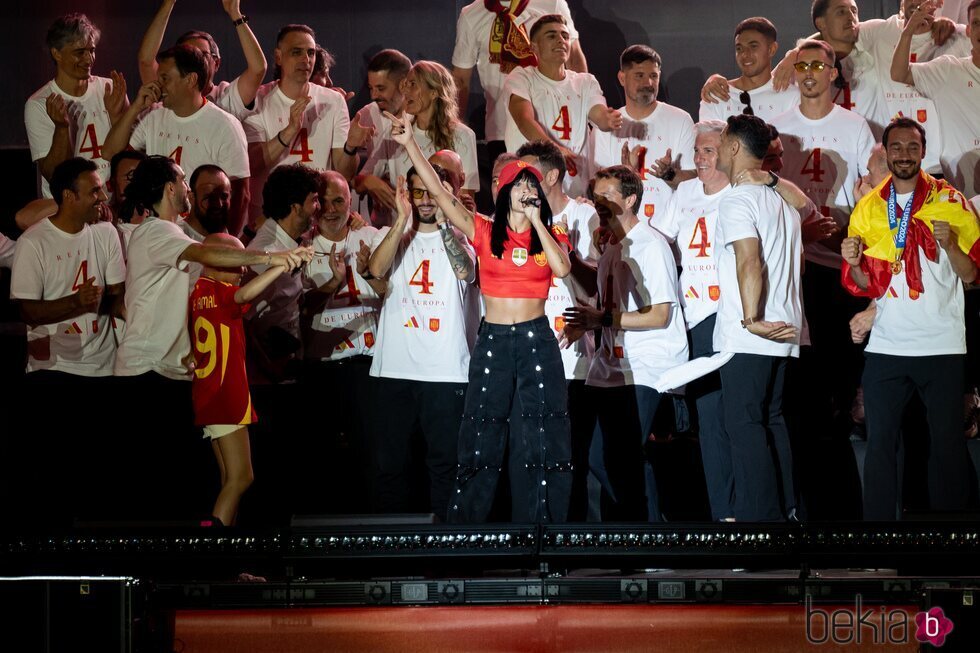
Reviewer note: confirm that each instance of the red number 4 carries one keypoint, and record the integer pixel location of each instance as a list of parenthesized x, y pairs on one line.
[(700, 229), (562, 124), (424, 282)]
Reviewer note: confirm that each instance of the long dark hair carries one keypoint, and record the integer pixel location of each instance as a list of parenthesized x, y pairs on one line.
[(145, 190), (498, 231)]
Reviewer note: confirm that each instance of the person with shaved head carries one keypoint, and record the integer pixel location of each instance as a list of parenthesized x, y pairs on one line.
[(222, 402)]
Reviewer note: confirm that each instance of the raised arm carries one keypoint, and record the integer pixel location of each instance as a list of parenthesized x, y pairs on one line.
[(462, 77), (384, 254), (452, 208), (901, 70), (118, 137), (605, 118), (152, 40), (254, 288), (250, 80), (216, 256)]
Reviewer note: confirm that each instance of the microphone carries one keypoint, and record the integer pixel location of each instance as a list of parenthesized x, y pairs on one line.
[(531, 201)]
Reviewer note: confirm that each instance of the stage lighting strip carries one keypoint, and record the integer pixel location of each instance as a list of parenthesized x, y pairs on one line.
[(679, 541), (353, 544)]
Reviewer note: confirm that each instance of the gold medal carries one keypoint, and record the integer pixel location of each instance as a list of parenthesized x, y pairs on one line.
[(896, 267)]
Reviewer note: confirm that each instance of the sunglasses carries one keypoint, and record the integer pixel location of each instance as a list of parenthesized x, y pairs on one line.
[(419, 193), (815, 66), (745, 99)]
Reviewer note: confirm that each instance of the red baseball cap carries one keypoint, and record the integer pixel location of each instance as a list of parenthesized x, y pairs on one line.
[(514, 168)]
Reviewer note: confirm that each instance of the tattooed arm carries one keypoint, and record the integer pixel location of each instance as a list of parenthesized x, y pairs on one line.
[(459, 257)]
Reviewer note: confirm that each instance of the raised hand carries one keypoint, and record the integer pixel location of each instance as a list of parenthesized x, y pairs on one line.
[(355, 221), (232, 8), (148, 95), (363, 257), (852, 250), (403, 203), (631, 157), (401, 128), (296, 112), (359, 134), (338, 265), (944, 234), (614, 119), (115, 98), (663, 164), (57, 110)]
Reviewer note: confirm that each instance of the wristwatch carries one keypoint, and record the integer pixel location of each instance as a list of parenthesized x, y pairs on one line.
[(749, 320), (240, 21), (670, 174), (773, 179), (607, 319)]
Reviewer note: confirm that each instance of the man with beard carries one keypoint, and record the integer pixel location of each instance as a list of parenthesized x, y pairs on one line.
[(156, 347), (120, 172), (426, 331), (385, 73), (185, 126), (67, 277), (340, 327), (826, 149), (752, 92), (660, 137), (913, 243), (210, 199)]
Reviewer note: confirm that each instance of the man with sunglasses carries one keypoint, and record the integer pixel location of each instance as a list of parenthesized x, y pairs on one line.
[(426, 331), (751, 93), (658, 137), (825, 152)]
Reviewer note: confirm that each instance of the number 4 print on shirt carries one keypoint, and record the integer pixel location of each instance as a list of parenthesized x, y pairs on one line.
[(301, 147), (81, 276), (562, 124), (700, 229), (815, 169), (352, 292), (424, 282), (175, 155), (90, 144)]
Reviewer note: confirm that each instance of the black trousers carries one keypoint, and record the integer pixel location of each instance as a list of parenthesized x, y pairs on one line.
[(716, 448), (834, 368), (889, 382), (338, 457), (752, 395), (624, 424), (400, 408), (515, 363)]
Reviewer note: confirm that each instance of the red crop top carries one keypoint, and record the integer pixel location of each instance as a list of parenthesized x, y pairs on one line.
[(515, 275)]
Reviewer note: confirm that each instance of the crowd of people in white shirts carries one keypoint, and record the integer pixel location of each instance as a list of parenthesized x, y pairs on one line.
[(712, 259)]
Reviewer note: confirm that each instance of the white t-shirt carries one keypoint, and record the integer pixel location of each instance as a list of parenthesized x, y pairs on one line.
[(666, 128), (824, 158), (389, 160), (759, 212), (370, 115), (954, 85), (582, 222), (473, 49), (7, 249), (429, 317), (862, 82), (976, 204), (50, 264), (766, 103), (326, 122), (227, 96), (88, 124), (955, 10), (880, 38), (638, 271), (207, 136), (690, 221), (563, 109), (277, 305), (348, 324), (190, 231), (930, 323), (157, 292)]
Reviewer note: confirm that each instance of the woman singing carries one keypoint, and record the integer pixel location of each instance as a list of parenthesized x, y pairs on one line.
[(516, 367)]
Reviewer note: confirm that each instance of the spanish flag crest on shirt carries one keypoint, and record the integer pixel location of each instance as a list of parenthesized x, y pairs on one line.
[(934, 199)]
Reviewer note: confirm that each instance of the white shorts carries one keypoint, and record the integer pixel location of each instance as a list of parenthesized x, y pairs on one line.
[(215, 431)]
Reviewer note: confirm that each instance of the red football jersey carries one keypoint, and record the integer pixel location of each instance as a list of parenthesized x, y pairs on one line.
[(220, 385), (516, 274)]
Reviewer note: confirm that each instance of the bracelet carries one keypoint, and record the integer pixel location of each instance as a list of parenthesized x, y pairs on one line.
[(279, 138), (348, 152), (240, 21), (750, 320), (670, 174), (368, 276), (773, 179), (268, 260)]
